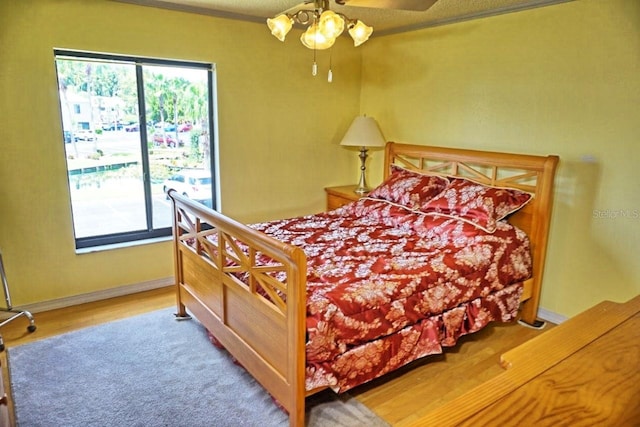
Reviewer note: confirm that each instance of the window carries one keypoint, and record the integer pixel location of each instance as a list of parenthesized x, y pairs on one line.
[(130, 127)]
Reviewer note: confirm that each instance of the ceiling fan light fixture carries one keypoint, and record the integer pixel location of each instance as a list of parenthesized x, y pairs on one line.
[(280, 26), (314, 39), (360, 32), (323, 27), (330, 24)]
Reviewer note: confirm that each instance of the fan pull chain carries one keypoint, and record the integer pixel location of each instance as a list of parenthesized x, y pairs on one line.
[(314, 67)]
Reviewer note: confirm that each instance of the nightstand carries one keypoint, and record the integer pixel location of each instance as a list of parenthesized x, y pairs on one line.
[(340, 196)]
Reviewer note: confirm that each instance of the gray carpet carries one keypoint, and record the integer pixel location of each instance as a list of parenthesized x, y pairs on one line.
[(151, 370)]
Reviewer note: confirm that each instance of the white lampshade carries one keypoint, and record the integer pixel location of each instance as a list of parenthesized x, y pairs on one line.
[(363, 132)]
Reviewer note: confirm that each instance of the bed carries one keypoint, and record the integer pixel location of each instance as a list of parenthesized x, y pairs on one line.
[(336, 299)]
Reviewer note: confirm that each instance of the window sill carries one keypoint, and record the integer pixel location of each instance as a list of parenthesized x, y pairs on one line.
[(123, 245)]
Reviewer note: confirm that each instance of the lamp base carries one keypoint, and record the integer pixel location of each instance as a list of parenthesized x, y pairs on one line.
[(362, 184), (361, 190)]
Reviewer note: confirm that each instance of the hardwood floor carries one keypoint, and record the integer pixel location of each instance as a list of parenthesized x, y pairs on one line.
[(63, 320), (399, 397), (408, 394)]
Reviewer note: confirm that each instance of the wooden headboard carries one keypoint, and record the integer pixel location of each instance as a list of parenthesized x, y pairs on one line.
[(534, 174)]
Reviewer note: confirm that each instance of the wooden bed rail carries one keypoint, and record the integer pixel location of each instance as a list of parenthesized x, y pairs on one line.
[(256, 309), (534, 174)]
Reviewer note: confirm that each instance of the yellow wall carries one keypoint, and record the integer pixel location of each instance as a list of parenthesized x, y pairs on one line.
[(279, 131), (563, 79)]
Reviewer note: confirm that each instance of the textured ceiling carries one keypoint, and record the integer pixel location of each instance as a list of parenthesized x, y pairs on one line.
[(384, 21)]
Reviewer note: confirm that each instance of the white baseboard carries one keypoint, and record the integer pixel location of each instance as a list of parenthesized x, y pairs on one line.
[(38, 307), (550, 316), (97, 296)]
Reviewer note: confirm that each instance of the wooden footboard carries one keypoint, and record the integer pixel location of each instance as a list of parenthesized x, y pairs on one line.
[(260, 320)]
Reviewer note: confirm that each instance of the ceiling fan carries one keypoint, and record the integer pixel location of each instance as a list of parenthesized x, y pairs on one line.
[(325, 25)]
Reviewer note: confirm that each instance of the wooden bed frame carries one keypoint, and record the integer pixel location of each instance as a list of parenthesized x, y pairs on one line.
[(267, 335)]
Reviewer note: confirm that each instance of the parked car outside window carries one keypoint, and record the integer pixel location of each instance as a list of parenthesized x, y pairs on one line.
[(192, 183), (134, 127), (185, 127), (112, 126), (84, 135), (166, 140), (168, 127)]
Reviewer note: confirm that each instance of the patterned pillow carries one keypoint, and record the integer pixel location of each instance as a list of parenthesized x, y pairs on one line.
[(409, 188), (476, 203)]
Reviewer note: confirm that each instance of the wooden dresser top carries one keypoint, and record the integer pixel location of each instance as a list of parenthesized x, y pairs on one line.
[(585, 371)]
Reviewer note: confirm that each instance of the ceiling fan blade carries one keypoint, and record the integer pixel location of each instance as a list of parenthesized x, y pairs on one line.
[(418, 5)]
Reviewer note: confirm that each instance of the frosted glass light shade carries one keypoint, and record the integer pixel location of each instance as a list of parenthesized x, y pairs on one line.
[(363, 132), (314, 39), (280, 26), (360, 33), (330, 24)]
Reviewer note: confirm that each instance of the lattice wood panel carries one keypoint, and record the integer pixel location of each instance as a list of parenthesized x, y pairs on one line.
[(256, 272), (486, 174)]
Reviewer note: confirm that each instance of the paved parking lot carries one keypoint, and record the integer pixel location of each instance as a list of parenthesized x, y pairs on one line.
[(113, 201), (116, 206)]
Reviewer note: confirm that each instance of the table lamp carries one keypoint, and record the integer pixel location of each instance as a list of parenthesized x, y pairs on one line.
[(363, 132)]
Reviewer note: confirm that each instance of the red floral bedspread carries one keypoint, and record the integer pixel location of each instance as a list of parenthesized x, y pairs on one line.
[(386, 286)]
